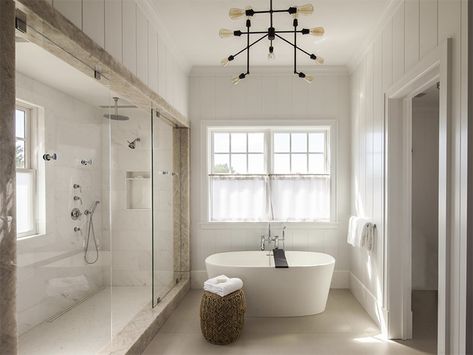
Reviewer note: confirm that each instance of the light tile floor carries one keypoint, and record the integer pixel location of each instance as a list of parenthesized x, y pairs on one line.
[(344, 328)]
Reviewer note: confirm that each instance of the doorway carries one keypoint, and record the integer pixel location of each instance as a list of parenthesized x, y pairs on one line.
[(424, 218), (399, 261)]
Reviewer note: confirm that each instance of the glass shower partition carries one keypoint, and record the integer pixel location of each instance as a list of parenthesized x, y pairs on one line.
[(166, 197), (131, 212), (64, 265)]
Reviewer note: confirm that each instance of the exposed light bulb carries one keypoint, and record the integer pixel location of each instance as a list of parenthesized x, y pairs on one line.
[(271, 55), (308, 79), (320, 60), (224, 33), (236, 80), (227, 60), (317, 31), (306, 9), (236, 13)]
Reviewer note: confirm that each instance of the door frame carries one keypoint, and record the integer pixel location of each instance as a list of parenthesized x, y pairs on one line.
[(435, 67)]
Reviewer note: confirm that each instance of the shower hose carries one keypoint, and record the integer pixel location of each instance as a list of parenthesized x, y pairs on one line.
[(91, 230)]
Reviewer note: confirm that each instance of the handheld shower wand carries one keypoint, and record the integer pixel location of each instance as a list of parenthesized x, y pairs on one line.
[(91, 230)]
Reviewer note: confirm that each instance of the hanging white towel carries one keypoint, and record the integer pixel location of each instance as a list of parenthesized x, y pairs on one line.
[(222, 285), (356, 228), (360, 233)]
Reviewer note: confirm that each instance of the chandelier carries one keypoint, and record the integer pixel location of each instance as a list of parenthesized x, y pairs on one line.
[(271, 34)]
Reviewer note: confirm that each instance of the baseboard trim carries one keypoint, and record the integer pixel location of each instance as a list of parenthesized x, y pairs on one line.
[(369, 302), (340, 279)]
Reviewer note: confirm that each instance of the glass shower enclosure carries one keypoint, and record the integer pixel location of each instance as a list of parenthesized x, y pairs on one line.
[(105, 196)]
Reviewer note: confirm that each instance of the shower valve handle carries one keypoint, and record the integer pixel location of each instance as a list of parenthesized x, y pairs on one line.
[(75, 214)]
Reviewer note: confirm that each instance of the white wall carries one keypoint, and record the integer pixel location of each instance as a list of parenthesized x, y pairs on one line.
[(425, 168), (130, 31), (409, 33), (269, 94), (52, 274)]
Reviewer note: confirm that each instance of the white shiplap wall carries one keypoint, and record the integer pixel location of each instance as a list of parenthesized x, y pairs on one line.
[(127, 30), (269, 94), (415, 28)]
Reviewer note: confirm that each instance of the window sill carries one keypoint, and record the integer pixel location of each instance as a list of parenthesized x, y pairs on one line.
[(260, 225), (29, 237)]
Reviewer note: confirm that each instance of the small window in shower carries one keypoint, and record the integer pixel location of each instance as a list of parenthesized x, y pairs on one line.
[(26, 173)]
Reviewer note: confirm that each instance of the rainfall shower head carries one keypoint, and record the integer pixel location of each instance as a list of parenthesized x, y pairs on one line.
[(116, 116)]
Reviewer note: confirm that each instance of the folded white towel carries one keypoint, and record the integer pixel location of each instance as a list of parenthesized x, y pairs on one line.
[(222, 285), (360, 233)]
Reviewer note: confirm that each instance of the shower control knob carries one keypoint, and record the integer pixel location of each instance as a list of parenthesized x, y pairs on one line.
[(48, 157), (75, 214), (76, 229)]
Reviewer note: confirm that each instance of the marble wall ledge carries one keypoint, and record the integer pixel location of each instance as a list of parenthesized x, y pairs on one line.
[(49, 29)]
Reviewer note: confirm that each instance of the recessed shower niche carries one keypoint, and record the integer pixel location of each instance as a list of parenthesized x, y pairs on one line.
[(138, 190)]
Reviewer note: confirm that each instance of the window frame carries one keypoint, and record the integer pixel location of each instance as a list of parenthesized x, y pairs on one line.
[(272, 126), (29, 166)]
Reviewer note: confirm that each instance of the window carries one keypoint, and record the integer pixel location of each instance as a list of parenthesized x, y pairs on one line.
[(25, 174), (269, 174)]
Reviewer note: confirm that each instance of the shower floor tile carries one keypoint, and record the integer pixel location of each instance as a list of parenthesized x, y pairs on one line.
[(87, 327)]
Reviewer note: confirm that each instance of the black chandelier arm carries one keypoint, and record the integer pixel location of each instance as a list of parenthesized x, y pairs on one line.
[(295, 45), (239, 33), (251, 45), (248, 25), (250, 12)]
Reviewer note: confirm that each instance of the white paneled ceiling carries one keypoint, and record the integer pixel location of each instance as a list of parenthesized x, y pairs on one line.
[(194, 26)]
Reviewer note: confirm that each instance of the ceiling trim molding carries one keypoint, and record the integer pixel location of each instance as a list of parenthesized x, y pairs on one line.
[(366, 45), (267, 70), (152, 13)]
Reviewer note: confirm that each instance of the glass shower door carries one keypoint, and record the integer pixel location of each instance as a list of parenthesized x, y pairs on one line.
[(166, 234)]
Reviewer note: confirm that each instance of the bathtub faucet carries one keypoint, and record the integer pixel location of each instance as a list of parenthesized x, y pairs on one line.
[(272, 239)]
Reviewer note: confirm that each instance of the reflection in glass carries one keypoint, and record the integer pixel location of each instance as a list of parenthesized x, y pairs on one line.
[(299, 163), (20, 123), (282, 164), (20, 154), (281, 142), (239, 163), (238, 142), (316, 164), (221, 142), (221, 163), (256, 142), (299, 142), (256, 164), (316, 142)]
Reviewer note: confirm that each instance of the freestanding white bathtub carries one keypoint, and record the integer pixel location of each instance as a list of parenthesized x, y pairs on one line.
[(302, 289)]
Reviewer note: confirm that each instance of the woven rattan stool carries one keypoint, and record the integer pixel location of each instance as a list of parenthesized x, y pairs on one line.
[(222, 318)]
